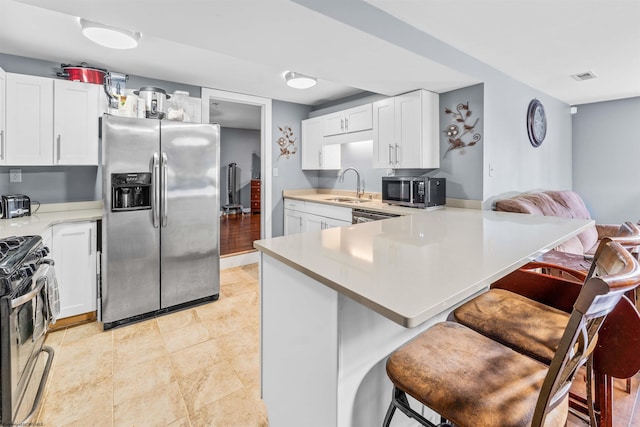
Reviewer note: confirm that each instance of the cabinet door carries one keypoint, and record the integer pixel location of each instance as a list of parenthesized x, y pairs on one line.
[(384, 134), (316, 155), (331, 157), (334, 124), (311, 145), (3, 78), (333, 223), (73, 250), (359, 118), (314, 222), (293, 222), (76, 123), (408, 131), (29, 115)]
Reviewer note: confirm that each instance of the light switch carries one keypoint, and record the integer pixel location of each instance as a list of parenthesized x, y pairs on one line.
[(15, 175), (275, 171)]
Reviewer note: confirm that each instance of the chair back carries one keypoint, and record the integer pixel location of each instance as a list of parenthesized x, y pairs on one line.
[(614, 271), (629, 237)]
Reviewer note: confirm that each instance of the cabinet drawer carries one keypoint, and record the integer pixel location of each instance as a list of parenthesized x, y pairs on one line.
[(328, 211), (255, 196), (295, 205)]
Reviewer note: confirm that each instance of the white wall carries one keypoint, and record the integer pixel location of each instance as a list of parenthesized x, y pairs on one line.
[(606, 149)]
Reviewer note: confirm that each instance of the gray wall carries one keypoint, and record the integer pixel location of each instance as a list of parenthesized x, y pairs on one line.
[(462, 167), (290, 174), (605, 159), (56, 184), (239, 146)]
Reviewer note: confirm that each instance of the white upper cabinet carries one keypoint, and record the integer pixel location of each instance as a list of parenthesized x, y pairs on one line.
[(29, 106), (405, 131), (352, 120), (3, 132), (51, 122), (75, 123), (315, 154)]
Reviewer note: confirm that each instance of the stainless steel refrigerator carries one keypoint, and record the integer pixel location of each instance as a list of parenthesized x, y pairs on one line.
[(160, 241)]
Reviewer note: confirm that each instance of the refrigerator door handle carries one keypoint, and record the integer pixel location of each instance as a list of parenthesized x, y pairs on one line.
[(155, 176), (164, 189)]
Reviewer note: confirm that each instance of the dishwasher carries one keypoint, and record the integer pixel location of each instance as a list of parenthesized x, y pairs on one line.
[(359, 216)]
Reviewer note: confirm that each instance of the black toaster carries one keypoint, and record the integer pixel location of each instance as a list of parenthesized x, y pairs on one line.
[(16, 205)]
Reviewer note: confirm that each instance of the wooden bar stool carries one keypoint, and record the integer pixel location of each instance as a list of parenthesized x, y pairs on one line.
[(474, 381), (528, 311)]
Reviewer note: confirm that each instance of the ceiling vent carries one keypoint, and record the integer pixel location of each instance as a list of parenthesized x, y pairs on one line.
[(587, 75)]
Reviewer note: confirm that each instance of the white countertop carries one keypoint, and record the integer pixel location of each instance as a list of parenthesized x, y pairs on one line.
[(49, 215), (325, 196), (412, 267)]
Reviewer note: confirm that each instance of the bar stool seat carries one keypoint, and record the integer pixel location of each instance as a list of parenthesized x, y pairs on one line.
[(470, 379), (518, 322)]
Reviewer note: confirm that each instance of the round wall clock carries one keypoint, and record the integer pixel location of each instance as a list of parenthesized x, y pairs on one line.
[(536, 123)]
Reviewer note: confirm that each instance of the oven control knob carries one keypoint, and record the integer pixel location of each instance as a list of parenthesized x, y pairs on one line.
[(27, 270)]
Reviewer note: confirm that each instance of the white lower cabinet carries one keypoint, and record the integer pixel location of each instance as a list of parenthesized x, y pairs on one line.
[(74, 250), (292, 221), (300, 216)]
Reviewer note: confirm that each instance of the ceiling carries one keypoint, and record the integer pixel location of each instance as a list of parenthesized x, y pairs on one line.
[(246, 46)]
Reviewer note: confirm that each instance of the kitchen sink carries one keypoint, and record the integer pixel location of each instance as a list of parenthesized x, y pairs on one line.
[(347, 200)]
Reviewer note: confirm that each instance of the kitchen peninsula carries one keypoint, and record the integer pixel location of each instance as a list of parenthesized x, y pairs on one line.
[(336, 302)]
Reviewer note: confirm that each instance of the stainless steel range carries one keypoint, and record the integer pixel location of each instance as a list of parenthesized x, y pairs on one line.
[(29, 303)]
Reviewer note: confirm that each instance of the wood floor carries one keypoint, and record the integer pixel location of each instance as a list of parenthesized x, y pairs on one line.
[(237, 233)]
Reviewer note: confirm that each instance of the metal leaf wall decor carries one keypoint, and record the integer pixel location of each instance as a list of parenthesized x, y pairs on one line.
[(286, 142), (459, 138)]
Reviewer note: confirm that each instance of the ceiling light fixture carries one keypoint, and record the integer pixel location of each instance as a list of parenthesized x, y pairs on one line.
[(299, 81), (112, 37)]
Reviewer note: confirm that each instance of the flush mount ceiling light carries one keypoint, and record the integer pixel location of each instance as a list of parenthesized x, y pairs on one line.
[(112, 37), (299, 81)]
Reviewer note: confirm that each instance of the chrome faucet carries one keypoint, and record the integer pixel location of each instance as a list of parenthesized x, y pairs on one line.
[(359, 189)]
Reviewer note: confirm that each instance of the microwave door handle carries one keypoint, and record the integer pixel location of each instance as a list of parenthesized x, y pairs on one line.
[(164, 189), (155, 176), (411, 199)]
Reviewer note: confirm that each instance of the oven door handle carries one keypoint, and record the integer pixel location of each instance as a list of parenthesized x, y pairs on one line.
[(17, 302), (43, 381)]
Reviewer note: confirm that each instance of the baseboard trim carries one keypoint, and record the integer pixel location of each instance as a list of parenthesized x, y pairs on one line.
[(238, 260), (76, 320)]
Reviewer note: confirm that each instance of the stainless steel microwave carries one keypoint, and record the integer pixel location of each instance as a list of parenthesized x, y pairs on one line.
[(414, 191)]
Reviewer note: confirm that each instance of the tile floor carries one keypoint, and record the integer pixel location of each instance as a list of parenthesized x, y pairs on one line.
[(197, 367)]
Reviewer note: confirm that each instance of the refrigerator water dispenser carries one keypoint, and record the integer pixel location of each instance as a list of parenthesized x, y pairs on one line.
[(130, 191)]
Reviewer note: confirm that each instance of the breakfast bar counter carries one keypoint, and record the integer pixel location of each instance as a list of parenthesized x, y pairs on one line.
[(336, 302)]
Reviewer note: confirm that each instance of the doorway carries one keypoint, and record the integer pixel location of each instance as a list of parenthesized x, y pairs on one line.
[(245, 155)]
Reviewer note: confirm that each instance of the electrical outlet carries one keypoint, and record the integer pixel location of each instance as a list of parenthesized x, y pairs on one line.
[(15, 175)]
